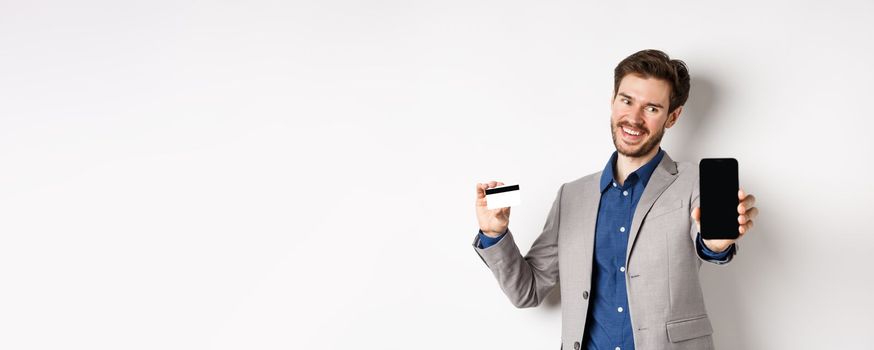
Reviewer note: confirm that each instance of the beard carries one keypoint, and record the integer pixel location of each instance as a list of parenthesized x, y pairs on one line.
[(638, 150)]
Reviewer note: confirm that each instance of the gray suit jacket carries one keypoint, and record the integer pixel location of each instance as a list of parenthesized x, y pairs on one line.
[(665, 301)]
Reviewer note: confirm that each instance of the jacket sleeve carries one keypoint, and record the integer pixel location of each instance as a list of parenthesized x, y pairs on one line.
[(526, 280)]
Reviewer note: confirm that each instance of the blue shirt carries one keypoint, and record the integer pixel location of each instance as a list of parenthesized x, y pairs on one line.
[(608, 325)]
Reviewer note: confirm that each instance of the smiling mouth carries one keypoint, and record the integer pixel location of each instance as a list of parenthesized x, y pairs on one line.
[(631, 131), (632, 134)]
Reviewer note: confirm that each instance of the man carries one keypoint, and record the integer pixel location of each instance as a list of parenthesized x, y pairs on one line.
[(624, 241)]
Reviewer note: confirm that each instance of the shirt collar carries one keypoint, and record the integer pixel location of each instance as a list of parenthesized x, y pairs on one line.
[(643, 173)]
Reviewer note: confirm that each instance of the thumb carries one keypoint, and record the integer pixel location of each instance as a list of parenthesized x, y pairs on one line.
[(696, 215)]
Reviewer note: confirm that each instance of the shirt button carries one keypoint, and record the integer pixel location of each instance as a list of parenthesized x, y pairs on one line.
[(622, 229), (576, 345), (614, 184), (619, 309), (617, 348), (585, 294), (622, 269), (624, 193)]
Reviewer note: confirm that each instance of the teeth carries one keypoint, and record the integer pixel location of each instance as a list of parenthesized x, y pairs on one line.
[(635, 133)]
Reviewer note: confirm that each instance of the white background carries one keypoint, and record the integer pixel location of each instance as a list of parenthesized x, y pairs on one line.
[(300, 175)]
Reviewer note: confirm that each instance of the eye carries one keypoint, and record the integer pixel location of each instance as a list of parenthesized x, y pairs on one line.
[(625, 101), (652, 109)]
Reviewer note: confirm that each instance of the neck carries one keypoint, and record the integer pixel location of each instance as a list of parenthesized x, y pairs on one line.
[(626, 165)]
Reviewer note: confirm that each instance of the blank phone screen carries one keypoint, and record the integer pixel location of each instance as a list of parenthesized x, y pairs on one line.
[(718, 201)]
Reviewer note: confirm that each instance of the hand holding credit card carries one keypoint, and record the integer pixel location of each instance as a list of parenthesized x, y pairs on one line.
[(493, 202)]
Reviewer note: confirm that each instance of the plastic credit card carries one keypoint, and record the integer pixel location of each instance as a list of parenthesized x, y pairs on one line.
[(502, 197)]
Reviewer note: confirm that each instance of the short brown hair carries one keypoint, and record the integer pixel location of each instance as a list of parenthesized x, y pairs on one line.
[(656, 64)]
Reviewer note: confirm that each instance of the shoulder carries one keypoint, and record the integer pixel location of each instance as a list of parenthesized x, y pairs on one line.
[(687, 171), (687, 167), (579, 185), (687, 180)]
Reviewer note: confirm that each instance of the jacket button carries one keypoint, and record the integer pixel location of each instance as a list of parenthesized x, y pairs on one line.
[(585, 294), (576, 345)]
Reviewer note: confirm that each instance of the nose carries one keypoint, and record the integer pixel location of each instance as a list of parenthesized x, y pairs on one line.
[(635, 116)]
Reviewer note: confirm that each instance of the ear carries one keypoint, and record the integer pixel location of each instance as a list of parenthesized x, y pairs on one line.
[(672, 118)]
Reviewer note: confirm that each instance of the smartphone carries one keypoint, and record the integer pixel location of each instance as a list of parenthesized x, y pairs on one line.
[(718, 201)]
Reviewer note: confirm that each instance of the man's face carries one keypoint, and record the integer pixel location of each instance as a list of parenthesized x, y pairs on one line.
[(640, 115)]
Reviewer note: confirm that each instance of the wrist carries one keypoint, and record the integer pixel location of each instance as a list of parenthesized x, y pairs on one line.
[(493, 234), (717, 247)]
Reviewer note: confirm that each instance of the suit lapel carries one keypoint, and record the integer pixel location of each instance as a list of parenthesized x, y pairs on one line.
[(663, 176), (582, 215), (592, 202)]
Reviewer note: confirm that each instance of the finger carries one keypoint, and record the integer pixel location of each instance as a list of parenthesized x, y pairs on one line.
[(480, 195), (743, 229), (493, 184), (742, 208), (741, 195), (752, 213), (500, 183), (746, 204), (750, 201)]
